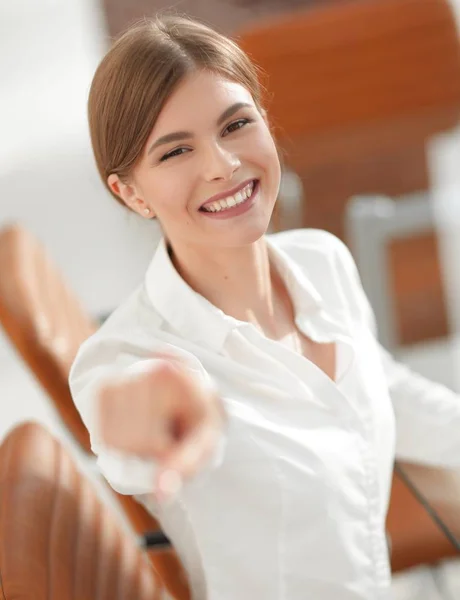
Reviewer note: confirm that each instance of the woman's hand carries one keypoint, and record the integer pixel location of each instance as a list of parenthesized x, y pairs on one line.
[(163, 413)]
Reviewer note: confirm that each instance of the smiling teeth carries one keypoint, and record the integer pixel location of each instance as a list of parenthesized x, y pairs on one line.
[(230, 201)]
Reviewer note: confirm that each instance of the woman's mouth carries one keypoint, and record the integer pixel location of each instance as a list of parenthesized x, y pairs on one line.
[(232, 205)]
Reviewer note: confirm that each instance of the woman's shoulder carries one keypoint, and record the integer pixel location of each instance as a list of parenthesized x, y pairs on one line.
[(127, 330), (323, 258), (305, 245), (135, 313)]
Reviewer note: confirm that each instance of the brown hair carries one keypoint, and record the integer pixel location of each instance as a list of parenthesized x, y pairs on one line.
[(139, 73)]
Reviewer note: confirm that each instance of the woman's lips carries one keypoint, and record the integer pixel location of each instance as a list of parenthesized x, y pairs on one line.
[(238, 190), (234, 211)]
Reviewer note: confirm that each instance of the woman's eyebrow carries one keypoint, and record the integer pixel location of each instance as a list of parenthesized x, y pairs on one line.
[(170, 137), (186, 135), (231, 110)]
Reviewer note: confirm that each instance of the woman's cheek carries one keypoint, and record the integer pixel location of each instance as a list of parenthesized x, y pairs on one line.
[(175, 191), (263, 144)]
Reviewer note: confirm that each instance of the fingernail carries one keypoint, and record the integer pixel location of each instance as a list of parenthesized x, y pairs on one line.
[(169, 484)]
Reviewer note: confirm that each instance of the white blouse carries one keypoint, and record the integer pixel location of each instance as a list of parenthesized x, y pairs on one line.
[(293, 506)]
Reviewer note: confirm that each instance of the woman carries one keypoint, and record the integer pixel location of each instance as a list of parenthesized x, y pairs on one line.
[(253, 356)]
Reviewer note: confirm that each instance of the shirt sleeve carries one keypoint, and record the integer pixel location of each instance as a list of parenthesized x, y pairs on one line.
[(98, 360), (427, 414)]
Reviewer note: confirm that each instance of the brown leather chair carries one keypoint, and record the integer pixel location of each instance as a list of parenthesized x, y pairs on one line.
[(47, 324), (57, 539), (356, 90), (43, 319)]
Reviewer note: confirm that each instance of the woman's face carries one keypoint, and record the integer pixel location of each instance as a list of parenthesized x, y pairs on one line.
[(210, 170)]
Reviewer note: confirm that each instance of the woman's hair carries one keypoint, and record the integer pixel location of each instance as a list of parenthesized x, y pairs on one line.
[(139, 73)]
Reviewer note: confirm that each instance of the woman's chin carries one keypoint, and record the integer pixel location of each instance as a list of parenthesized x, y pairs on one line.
[(245, 236), (255, 229), (245, 230)]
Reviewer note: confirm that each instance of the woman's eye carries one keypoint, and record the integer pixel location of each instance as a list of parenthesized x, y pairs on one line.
[(175, 152), (236, 125)]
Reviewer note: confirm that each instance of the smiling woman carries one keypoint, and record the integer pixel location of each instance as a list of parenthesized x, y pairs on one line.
[(272, 335), (180, 134), (209, 146)]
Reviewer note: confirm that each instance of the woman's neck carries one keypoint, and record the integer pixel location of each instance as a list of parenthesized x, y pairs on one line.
[(240, 281)]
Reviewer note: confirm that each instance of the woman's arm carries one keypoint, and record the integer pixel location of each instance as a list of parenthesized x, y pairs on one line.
[(153, 422), (427, 416)]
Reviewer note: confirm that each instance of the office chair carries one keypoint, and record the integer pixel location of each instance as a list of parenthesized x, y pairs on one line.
[(46, 324), (57, 539)]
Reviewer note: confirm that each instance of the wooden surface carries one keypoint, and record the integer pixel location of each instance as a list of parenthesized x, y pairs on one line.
[(419, 296), (226, 15), (416, 539)]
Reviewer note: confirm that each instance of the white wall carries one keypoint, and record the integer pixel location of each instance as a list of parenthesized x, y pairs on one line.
[(49, 50)]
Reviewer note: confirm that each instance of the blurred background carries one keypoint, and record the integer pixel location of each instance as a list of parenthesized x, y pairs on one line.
[(364, 96)]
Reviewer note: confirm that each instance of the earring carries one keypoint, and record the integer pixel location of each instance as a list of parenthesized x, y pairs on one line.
[(146, 211)]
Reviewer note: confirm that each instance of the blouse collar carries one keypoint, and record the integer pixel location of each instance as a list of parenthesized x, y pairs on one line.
[(196, 319)]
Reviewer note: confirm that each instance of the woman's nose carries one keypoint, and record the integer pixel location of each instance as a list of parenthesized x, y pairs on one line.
[(219, 163)]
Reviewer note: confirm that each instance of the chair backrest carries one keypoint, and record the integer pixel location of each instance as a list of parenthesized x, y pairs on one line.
[(57, 540), (47, 324), (339, 74), (376, 226), (43, 319)]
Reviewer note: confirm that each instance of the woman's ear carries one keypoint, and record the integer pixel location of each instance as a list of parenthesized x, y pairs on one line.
[(128, 194)]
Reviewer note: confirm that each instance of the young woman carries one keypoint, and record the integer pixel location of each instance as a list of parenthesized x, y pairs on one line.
[(248, 361)]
